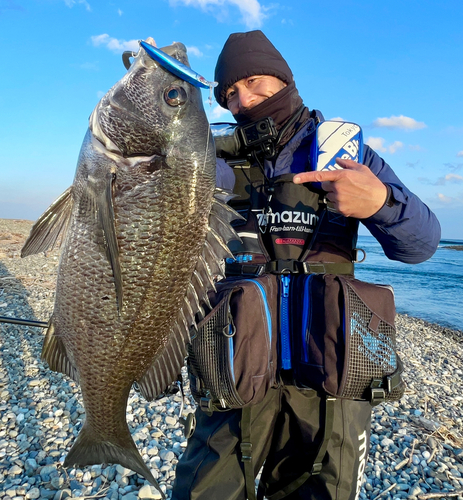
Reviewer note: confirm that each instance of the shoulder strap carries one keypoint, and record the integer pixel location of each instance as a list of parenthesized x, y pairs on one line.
[(246, 453)]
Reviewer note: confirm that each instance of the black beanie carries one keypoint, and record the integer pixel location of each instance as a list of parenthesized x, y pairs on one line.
[(244, 55)]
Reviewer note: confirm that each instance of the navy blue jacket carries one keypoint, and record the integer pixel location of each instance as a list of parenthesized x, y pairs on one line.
[(408, 231)]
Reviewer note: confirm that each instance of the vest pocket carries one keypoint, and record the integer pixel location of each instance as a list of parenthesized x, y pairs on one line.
[(232, 356), (345, 339)]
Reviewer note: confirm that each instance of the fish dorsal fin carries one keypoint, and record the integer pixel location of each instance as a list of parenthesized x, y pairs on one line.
[(54, 353), (50, 226), (168, 364)]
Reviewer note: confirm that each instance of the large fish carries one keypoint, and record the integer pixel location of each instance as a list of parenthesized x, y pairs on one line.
[(140, 228)]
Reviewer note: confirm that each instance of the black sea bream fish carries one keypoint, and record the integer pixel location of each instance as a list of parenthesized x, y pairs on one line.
[(141, 245)]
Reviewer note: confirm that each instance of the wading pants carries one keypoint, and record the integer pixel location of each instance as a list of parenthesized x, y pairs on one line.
[(285, 434)]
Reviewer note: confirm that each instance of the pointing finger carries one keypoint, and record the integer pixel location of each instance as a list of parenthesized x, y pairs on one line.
[(317, 176)]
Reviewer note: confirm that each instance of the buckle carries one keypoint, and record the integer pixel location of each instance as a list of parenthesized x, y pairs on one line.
[(284, 266), (378, 395), (316, 469), (246, 452), (206, 406), (393, 380)]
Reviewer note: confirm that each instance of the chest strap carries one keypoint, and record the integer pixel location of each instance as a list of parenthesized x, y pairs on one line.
[(288, 267)]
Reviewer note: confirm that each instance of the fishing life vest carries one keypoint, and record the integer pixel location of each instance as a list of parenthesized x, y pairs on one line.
[(288, 228), (290, 310)]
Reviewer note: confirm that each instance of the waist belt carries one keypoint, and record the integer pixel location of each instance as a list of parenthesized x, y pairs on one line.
[(288, 267)]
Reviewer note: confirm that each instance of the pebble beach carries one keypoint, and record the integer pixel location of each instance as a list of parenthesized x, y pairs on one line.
[(416, 443)]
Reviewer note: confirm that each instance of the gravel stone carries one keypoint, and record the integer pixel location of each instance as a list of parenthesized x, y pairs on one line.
[(416, 443)]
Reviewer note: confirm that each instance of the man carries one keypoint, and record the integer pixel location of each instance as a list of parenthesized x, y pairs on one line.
[(287, 427)]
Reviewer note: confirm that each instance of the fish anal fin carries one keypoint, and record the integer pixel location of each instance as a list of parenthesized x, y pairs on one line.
[(54, 353), (167, 366), (90, 449), (51, 226)]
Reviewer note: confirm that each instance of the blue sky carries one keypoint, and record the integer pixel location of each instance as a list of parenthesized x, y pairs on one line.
[(393, 67)]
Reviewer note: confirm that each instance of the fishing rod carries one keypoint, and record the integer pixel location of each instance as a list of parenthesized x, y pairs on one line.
[(26, 322)]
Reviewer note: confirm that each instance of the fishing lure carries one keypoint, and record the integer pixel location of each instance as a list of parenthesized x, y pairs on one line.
[(179, 69)]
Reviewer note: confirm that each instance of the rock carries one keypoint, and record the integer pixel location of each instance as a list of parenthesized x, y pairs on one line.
[(33, 494), (148, 492)]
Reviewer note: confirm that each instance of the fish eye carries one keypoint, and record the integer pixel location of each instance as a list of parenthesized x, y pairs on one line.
[(175, 96)]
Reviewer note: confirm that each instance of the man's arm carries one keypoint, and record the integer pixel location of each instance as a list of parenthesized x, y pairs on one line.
[(407, 230)]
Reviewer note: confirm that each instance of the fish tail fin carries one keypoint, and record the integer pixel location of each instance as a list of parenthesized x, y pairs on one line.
[(88, 449)]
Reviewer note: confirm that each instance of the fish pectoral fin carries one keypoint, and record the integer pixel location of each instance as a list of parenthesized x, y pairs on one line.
[(89, 449), (106, 215), (52, 224), (99, 200), (54, 353)]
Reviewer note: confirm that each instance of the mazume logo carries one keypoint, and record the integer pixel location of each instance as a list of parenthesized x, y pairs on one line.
[(287, 216)]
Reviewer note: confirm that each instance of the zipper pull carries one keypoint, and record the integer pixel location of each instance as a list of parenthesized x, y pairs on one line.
[(285, 283)]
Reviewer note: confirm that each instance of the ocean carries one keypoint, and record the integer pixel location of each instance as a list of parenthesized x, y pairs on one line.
[(432, 290)]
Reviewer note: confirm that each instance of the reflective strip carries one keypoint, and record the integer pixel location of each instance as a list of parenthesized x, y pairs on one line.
[(248, 235), (267, 310), (232, 352)]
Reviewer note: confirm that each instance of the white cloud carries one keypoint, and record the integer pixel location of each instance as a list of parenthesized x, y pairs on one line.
[(194, 51), (454, 178), (449, 178), (376, 143), (114, 44), (379, 144), (445, 199), (442, 181), (460, 153), (401, 122), (119, 11), (71, 3), (395, 146), (337, 119), (252, 13)]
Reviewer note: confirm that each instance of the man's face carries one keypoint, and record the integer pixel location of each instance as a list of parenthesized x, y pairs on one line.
[(251, 91)]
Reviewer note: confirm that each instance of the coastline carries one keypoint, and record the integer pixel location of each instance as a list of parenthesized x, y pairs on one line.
[(416, 443)]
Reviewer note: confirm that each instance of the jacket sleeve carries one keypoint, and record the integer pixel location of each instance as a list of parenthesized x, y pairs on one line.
[(225, 178), (407, 231)]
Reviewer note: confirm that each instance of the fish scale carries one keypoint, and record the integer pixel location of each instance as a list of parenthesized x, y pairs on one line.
[(139, 252)]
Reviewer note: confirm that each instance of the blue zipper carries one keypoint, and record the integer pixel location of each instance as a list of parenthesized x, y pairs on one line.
[(267, 310), (269, 327), (306, 319), (284, 325)]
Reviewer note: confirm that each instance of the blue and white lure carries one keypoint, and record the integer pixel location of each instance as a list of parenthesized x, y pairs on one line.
[(177, 68)]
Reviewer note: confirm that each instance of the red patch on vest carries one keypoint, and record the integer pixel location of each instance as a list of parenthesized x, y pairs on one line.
[(289, 241)]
